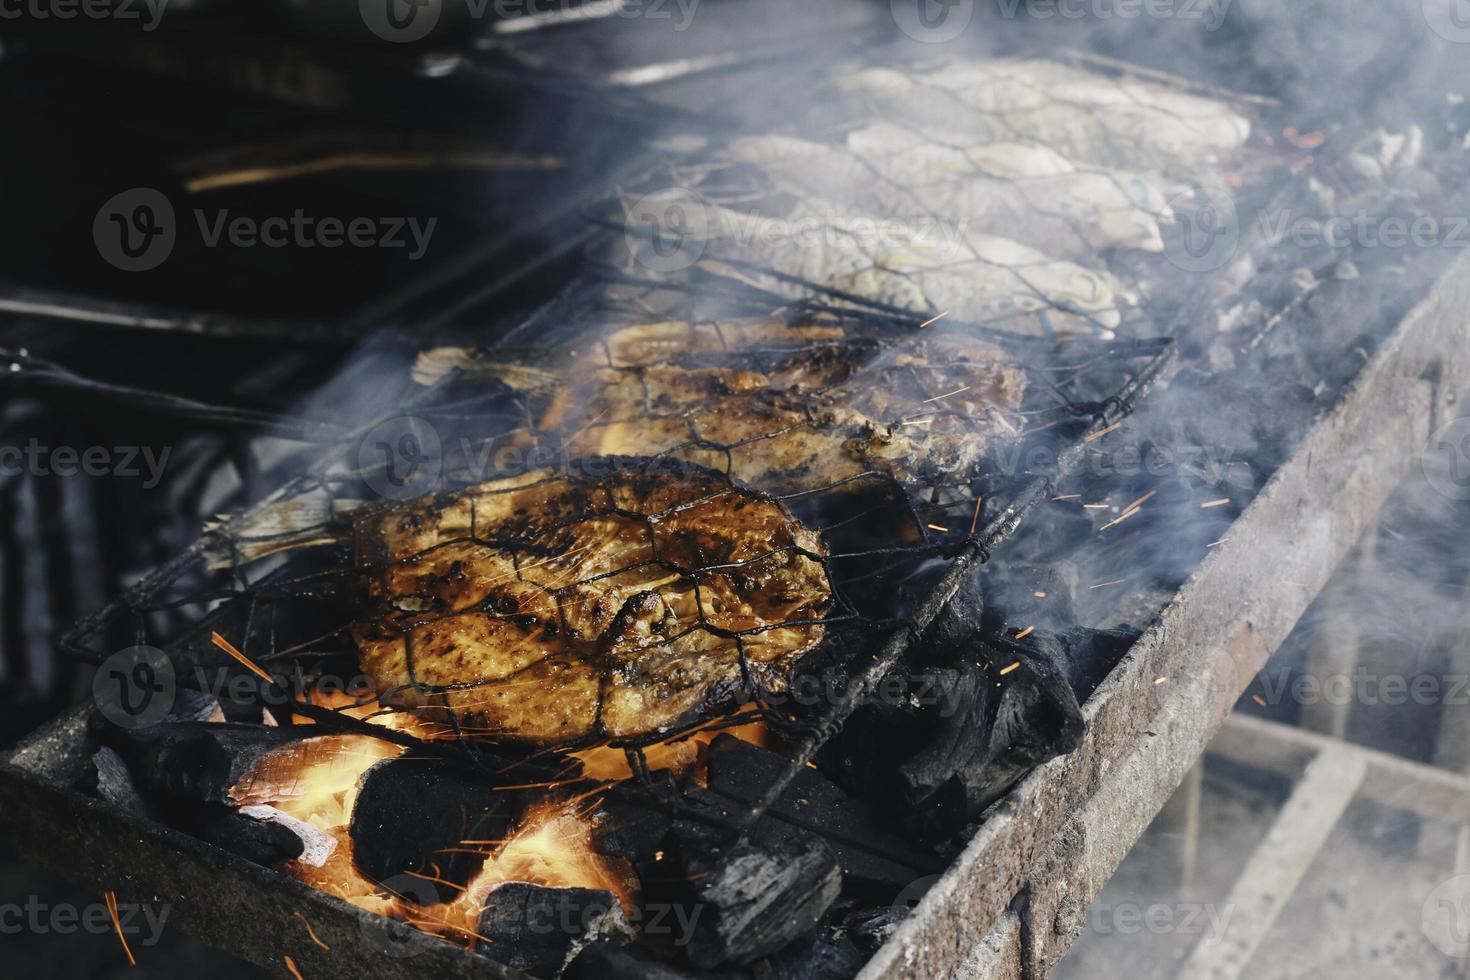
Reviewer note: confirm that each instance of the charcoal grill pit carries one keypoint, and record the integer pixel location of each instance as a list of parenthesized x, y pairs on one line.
[(1051, 842), (1010, 903)]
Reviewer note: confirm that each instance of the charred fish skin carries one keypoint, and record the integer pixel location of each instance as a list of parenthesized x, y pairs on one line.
[(615, 603), (785, 420)]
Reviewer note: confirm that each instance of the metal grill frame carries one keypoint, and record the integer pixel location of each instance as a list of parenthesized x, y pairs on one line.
[(1013, 902)]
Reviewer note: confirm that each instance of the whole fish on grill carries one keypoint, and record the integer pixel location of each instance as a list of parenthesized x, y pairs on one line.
[(1086, 116), (788, 409), (1029, 193), (930, 265), (616, 602)]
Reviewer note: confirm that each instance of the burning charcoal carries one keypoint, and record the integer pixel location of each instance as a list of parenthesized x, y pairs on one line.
[(871, 928), (317, 844), (194, 760), (612, 961), (412, 814), (254, 840), (115, 783), (1006, 592), (867, 852), (999, 728), (191, 705), (865, 755), (633, 819), (962, 725), (750, 898), (965, 734), (961, 735), (1036, 716), (538, 929), (818, 956)]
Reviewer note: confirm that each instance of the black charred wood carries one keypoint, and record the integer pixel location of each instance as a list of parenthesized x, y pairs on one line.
[(634, 819), (821, 955), (185, 776), (869, 853), (949, 736), (993, 730), (957, 737), (870, 928), (538, 929), (749, 899), (614, 961), (112, 781), (413, 813), (194, 706), (196, 760), (255, 840)]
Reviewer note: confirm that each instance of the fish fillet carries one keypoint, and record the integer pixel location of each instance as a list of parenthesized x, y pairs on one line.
[(550, 608), (1031, 194), (1086, 116), (922, 266), (783, 417)]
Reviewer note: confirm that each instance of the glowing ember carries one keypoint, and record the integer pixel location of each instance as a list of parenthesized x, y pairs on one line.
[(552, 847), (316, 781), (681, 755)]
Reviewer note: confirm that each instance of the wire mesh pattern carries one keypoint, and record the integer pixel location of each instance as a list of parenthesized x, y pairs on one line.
[(555, 607), (1028, 195), (722, 470), (689, 590)]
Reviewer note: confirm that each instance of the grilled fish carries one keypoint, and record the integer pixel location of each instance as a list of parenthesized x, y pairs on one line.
[(923, 266), (784, 417), (1031, 194), (1088, 117), (550, 608)]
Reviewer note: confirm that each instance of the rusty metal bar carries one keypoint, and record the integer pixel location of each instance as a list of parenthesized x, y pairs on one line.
[(1064, 830)]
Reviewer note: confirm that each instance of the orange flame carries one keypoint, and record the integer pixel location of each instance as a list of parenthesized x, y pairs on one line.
[(317, 781), (551, 847), (681, 755)]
